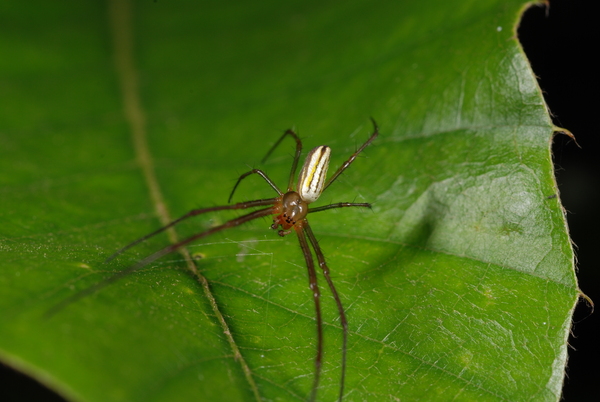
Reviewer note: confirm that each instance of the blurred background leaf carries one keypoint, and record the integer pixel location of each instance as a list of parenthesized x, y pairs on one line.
[(459, 284)]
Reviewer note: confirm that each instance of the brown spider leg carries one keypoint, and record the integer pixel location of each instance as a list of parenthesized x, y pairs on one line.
[(343, 321), (312, 280), (261, 174), (194, 212), (353, 156), (340, 205), (153, 257), (291, 133)]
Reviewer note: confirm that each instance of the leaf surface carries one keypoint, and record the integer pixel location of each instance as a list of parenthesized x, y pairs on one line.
[(459, 284)]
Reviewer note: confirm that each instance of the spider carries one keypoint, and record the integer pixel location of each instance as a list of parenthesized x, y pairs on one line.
[(290, 210)]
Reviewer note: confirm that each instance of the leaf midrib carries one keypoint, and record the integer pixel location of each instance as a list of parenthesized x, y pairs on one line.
[(121, 28)]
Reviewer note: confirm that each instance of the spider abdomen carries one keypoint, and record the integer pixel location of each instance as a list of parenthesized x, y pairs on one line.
[(313, 173)]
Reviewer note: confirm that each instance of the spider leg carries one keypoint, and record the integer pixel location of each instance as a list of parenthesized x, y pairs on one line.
[(340, 205), (312, 280), (343, 321), (194, 212), (353, 156), (261, 174), (292, 134), (153, 257)]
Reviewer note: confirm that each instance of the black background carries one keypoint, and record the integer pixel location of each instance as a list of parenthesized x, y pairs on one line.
[(561, 47), (560, 42)]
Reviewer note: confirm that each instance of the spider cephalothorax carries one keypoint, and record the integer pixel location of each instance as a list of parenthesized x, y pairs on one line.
[(293, 211)]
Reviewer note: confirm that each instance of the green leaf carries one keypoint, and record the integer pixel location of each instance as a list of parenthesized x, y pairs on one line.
[(459, 284)]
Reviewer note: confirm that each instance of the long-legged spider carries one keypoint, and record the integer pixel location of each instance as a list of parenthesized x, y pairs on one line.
[(290, 210)]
